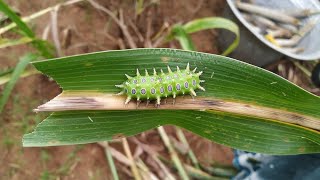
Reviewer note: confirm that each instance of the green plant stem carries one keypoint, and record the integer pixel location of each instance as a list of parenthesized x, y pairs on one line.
[(36, 15), (173, 154), (139, 7), (193, 172), (302, 68), (134, 168), (111, 162), (16, 19), (191, 155), (183, 37), (14, 42), (222, 171), (38, 44), (24, 61), (4, 78)]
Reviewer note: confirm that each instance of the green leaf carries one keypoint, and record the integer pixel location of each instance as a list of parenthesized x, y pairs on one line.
[(180, 32), (13, 42), (244, 106), (40, 45), (6, 76), (24, 61)]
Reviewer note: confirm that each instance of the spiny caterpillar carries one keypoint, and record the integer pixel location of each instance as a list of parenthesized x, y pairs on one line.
[(154, 87)]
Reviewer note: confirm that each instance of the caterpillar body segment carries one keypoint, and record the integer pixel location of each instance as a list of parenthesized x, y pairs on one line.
[(162, 85)]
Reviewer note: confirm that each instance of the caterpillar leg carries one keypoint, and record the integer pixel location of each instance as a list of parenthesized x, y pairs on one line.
[(192, 92), (138, 101), (127, 100), (174, 99), (158, 102), (120, 93)]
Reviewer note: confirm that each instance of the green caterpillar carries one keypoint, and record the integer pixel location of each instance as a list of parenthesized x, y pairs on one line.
[(155, 87)]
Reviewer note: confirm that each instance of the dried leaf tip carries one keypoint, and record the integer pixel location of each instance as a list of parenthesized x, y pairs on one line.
[(162, 73), (188, 67), (147, 74), (169, 70), (199, 73)]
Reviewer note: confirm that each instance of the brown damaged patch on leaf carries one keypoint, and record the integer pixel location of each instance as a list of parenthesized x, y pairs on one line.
[(102, 101)]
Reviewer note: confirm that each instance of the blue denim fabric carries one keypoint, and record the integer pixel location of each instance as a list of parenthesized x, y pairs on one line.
[(259, 166)]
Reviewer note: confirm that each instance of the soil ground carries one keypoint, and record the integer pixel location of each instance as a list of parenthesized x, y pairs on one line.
[(89, 28)]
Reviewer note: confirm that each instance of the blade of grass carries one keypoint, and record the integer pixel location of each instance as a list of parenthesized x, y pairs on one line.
[(154, 155), (191, 155), (38, 44), (110, 160), (181, 32), (139, 7), (173, 153), (16, 19), (193, 172), (222, 171), (36, 15), (145, 171), (6, 76), (24, 61), (133, 165), (213, 23), (13, 42)]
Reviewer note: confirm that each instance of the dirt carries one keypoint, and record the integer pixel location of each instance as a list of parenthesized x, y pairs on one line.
[(89, 28)]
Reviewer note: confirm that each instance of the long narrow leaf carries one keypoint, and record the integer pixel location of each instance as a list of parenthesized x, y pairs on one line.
[(213, 23), (244, 106), (24, 61), (13, 42), (6, 76), (181, 32), (182, 36), (40, 45), (15, 18)]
